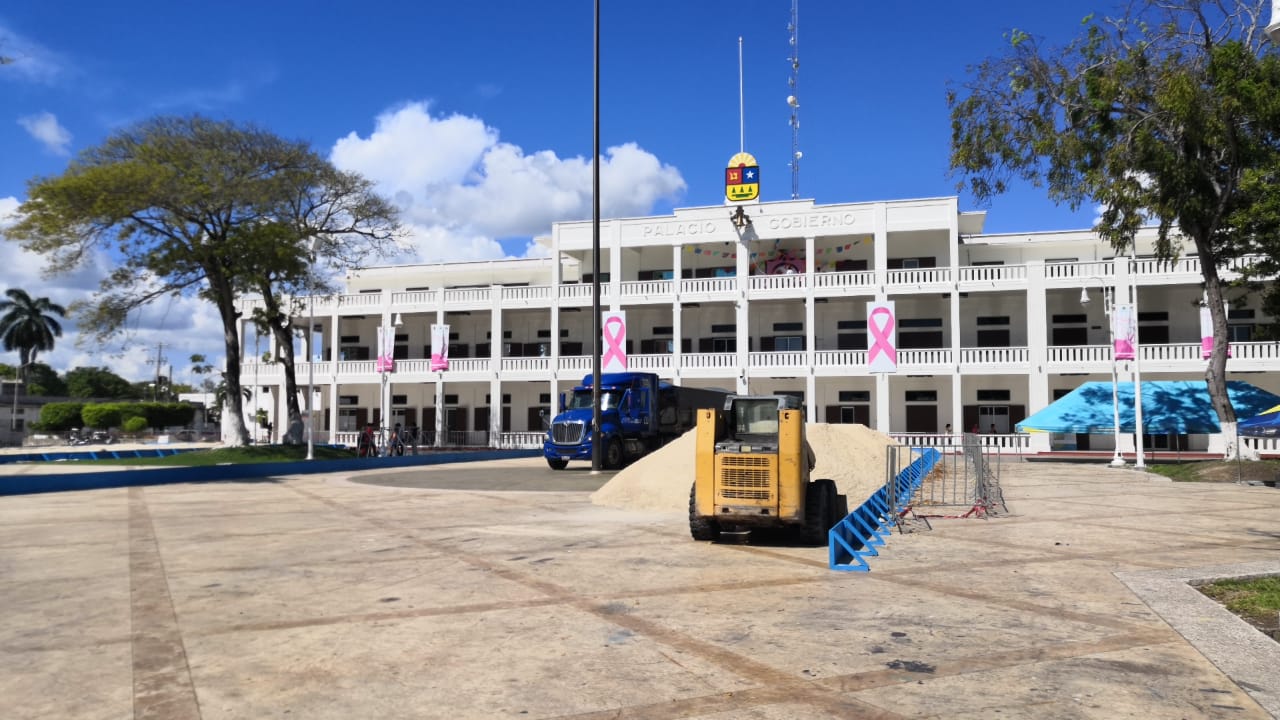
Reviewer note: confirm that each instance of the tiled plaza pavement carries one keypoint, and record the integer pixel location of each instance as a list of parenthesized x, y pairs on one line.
[(315, 597)]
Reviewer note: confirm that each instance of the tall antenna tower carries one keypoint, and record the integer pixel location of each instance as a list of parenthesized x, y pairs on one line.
[(793, 100)]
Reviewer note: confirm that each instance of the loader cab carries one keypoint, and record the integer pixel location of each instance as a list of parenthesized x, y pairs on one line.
[(752, 422)]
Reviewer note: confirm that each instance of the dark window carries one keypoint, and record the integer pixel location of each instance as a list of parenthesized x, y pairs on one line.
[(662, 330), (1239, 333), (851, 265), (851, 341), (570, 348), (399, 399), (1081, 318), (993, 396), (355, 352), (717, 345), (782, 343), (993, 338), (1060, 393), (986, 263), (788, 327), (1246, 314), (1153, 334), (348, 400), (912, 263), (921, 396), (659, 346), (450, 399), (993, 320), (847, 396), (1070, 336), (506, 398), (654, 275), (1160, 316), (851, 325), (506, 335), (727, 328), (459, 350), (482, 350), (545, 399), (920, 340), (919, 322), (352, 339)]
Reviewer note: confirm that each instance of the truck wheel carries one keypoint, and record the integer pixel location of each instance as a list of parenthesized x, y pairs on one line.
[(557, 464), (612, 459), (701, 528), (817, 511)]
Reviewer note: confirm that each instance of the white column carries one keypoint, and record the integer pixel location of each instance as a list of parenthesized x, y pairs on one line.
[(880, 246), (496, 342), (1037, 319), (810, 331), (742, 317), (677, 326)]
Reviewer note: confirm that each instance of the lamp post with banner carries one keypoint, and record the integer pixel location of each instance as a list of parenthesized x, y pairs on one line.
[(1108, 302)]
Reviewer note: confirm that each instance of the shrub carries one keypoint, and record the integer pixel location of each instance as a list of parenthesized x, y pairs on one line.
[(60, 417), (135, 424)]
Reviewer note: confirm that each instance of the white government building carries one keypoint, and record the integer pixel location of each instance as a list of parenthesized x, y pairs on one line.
[(990, 328)]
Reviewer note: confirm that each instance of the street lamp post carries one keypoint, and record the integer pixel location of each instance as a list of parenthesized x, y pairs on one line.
[(1140, 461), (311, 355), (1108, 301)]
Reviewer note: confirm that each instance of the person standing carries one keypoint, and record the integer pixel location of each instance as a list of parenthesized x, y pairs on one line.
[(364, 445)]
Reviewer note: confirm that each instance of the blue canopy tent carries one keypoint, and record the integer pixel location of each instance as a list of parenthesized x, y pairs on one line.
[(1168, 407), (1264, 424)]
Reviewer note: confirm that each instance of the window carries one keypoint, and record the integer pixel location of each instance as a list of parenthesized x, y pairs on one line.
[(1239, 333), (450, 399), (659, 346), (848, 396), (662, 330), (911, 263), (1071, 319), (347, 420), (727, 328), (717, 345), (993, 396), (782, 343), (788, 327), (851, 341), (993, 338), (544, 398), (851, 325), (399, 399), (348, 400), (506, 399), (992, 320), (921, 396)]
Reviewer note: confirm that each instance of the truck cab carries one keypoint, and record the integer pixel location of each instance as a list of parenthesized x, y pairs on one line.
[(628, 421)]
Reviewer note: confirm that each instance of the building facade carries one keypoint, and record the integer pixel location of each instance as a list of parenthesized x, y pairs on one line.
[(990, 328)]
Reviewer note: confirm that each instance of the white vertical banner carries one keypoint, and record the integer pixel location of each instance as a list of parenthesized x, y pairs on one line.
[(613, 329), (1206, 332), (882, 338), (1124, 329), (386, 349), (439, 347)]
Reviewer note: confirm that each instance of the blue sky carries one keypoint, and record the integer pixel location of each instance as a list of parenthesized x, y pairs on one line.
[(476, 117)]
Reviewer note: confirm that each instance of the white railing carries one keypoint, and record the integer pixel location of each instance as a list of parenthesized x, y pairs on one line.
[(1078, 270), (938, 356), (355, 367), (994, 356), (526, 293), (647, 288), (777, 282), (468, 296), (362, 300), (840, 280), (707, 286), (576, 363), (920, 276), (520, 440), (1001, 442), (1077, 354), (408, 298), (709, 360), (840, 358), (1151, 266), (648, 363), (468, 365), (526, 365), (1166, 353), (787, 359), (1265, 446), (1254, 351), (580, 291), (992, 273)]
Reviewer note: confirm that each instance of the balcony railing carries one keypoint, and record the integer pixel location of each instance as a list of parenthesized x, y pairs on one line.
[(525, 364), (787, 359), (993, 273), (920, 276), (840, 358), (843, 280), (527, 293), (1077, 271), (993, 356), (467, 296), (708, 286), (766, 283), (647, 289), (415, 298), (361, 300)]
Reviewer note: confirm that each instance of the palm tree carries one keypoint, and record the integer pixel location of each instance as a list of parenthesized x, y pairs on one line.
[(28, 326)]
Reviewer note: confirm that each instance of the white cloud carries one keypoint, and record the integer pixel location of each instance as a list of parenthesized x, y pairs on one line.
[(30, 61), (45, 128), (460, 189)]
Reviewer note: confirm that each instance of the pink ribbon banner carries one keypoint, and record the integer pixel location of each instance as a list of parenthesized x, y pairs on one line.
[(613, 328), (386, 350), (439, 347), (1125, 331), (1206, 334), (882, 351)]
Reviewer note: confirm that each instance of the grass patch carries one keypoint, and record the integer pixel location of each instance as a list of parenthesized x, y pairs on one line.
[(232, 455), (1256, 600), (1219, 470)]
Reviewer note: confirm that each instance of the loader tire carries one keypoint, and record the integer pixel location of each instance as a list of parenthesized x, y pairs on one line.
[(819, 499), (701, 528)]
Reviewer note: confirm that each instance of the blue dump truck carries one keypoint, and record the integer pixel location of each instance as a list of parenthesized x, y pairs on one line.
[(638, 414)]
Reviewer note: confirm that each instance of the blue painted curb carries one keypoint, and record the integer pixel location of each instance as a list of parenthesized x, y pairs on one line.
[(32, 484)]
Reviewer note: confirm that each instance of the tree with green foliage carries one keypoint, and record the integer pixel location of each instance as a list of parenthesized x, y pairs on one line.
[(1167, 115), (28, 325), (60, 416), (183, 203), (44, 380), (203, 369), (97, 383)]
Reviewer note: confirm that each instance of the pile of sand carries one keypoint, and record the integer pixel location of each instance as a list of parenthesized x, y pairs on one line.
[(852, 455)]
